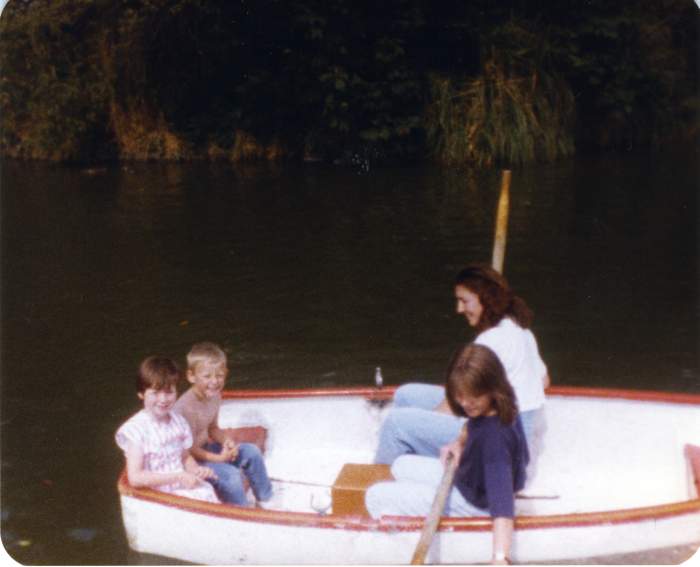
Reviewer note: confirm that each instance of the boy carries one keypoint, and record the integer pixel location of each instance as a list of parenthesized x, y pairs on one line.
[(214, 447)]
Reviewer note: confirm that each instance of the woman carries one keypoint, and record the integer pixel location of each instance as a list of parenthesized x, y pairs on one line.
[(421, 421), (491, 464)]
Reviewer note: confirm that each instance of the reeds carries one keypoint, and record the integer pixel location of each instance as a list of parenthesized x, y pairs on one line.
[(500, 119)]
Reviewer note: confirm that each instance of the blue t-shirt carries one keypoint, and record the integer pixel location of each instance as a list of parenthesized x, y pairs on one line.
[(492, 467)]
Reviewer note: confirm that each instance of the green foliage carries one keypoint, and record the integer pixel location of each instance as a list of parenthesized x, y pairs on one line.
[(500, 120), (52, 97), (360, 92), (633, 66), (484, 82), (515, 112)]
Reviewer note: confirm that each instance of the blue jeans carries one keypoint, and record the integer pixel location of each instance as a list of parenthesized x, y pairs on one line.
[(413, 427), (229, 484)]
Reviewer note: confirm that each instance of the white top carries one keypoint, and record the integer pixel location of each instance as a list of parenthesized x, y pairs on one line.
[(517, 350), (162, 443)]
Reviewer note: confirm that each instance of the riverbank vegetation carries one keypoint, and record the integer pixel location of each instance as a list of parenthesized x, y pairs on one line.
[(517, 110), (486, 83)]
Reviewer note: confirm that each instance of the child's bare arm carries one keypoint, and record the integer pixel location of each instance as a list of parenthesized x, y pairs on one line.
[(138, 476), (202, 454), (192, 466), (217, 434)]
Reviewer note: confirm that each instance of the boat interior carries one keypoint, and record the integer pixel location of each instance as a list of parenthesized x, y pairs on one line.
[(596, 454)]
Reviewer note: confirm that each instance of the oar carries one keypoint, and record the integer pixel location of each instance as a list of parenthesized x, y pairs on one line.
[(433, 519), (499, 250)]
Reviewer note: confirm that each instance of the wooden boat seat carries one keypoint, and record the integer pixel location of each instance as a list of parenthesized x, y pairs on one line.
[(256, 434)]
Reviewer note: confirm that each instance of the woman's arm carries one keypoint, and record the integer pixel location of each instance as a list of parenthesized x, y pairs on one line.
[(546, 382), (502, 539), (499, 478), (456, 447)]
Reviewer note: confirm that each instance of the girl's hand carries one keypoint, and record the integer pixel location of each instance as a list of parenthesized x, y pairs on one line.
[(204, 473), (188, 480), (454, 449)]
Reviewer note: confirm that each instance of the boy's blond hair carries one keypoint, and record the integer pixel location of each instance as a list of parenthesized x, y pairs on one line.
[(205, 352)]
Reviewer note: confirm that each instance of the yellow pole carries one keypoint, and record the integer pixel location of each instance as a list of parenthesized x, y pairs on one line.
[(499, 242)]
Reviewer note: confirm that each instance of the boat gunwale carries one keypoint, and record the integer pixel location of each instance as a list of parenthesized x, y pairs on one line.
[(386, 393), (409, 523)]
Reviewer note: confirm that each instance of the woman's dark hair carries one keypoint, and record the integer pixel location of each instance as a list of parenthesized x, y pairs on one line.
[(157, 372), (475, 370), (496, 297)]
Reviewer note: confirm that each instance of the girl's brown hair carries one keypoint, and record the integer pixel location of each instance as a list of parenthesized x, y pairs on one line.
[(475, 370), (495, 296), (157, 372)]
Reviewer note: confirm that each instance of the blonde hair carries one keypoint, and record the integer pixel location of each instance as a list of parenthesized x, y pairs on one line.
[(205, 352)]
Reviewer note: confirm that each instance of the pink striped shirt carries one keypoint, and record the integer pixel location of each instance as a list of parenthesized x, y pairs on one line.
[(162, 443)]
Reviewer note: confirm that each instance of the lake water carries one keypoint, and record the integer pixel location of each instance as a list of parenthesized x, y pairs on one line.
[(307, 276)]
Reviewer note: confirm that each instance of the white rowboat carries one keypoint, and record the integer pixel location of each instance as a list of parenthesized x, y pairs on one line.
[(614, 476)]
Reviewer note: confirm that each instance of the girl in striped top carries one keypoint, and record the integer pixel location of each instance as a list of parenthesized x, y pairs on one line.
[(156, 441)]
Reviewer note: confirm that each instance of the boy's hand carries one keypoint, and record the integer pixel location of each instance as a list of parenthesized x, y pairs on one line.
[(229, 450)]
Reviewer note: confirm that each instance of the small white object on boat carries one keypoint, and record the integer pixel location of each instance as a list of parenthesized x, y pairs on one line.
[(613, 477)]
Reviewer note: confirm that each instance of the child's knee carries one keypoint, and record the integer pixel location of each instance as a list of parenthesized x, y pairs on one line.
[(229, 485), (230, 477), (249, 451)]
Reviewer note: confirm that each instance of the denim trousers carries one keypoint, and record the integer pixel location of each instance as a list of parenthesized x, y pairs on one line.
[(229, 482), (413, 491), (413, 427)]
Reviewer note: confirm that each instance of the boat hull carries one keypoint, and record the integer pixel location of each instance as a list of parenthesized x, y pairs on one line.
[(199, 532), (228, 541)]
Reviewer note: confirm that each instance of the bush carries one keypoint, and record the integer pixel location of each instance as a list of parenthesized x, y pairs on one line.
[(513, 113)]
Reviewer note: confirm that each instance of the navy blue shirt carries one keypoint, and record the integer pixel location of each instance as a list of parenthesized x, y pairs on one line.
[(492, 467)]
